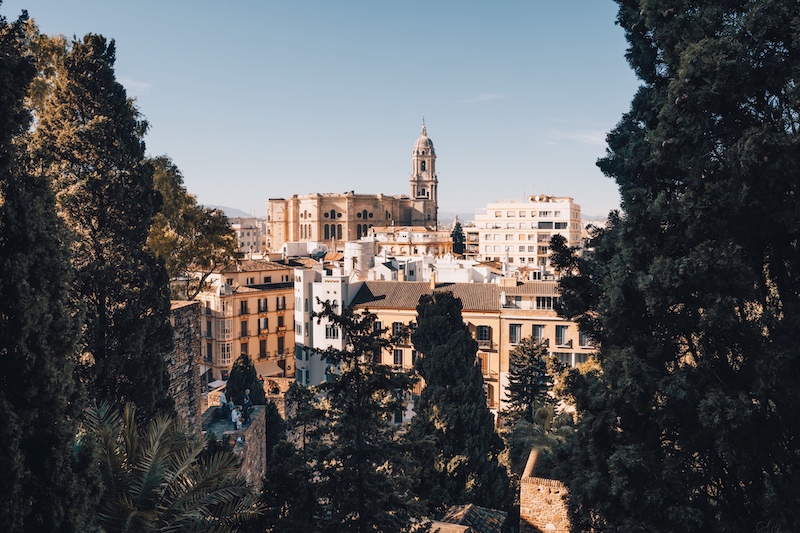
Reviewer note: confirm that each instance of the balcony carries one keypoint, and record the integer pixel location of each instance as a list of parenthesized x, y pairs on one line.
[(485, 344)]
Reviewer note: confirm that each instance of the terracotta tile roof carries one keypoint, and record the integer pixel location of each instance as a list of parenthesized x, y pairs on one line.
[(473, 296), (253, 265), (479, 519)]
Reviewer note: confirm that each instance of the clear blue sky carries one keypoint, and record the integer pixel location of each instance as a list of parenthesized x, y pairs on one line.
[(257, 99)]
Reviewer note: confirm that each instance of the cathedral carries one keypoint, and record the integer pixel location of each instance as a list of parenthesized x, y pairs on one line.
[(334, 219)]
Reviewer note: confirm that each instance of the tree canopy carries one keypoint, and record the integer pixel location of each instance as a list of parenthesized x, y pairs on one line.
[(192, 240), (691, 422), (47, 482), (458, 447), (89, 142)]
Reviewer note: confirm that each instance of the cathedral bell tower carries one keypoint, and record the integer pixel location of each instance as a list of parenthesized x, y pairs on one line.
[(424, 183)]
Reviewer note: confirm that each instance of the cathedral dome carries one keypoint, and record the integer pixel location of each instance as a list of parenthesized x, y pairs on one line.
[(423, 144)]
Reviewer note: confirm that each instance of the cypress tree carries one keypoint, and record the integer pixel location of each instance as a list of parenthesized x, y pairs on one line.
[(692, 421), (459, 447), (45, 485), (458, 238), (89, 140)]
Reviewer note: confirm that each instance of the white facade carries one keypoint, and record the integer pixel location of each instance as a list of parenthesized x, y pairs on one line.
[(248, 234), (312, 335), (520, 232)]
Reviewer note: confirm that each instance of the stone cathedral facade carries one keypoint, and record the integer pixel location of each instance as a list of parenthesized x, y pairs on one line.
[(334, 219)]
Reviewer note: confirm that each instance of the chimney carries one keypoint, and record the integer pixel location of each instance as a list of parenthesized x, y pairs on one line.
[(433, 280)]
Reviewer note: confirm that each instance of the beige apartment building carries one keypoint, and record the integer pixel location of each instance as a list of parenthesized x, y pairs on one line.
[(334, 219), (248, 309), (520, 232), (498, 315)]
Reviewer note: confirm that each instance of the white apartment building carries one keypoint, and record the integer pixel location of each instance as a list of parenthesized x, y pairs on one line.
[(248, 234), (520, 232)]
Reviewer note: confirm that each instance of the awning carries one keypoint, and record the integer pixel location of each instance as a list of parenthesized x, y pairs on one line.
[(216, 384), (268, 368)]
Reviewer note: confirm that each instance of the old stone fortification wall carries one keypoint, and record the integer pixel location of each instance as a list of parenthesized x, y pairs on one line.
[(542, 507), (253, 448), (183, 364)]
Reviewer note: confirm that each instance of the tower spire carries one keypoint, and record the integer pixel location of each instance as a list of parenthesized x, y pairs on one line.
[(424, 131)]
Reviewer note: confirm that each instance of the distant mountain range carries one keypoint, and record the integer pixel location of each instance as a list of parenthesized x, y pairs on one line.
[(232, 212)]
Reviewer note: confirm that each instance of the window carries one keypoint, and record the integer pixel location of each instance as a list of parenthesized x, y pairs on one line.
[(267, 279), (484, 335), (545, 225), (208, 329), (209, 352), (509, 236), (510, 214), (262, 348), (511, 225), (281, 321), (263, 325), (398, 358), (561, 225), (543, 237), (229, 281), (521, 248), (544, 213), (483, 361), (281, 345), (522, 214), (251, 281), (225, 353), (377, 325), (397, 329), (224, 375), (514, 333), (331, 331), (565, 358), (262, 305), (545, 302), (538, 332), (585, 339), (561, 335), (498, 214), (244, 349), (244, 328), (414, 355), (542, 250)]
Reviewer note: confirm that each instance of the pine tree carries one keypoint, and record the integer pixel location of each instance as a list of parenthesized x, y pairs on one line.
[(361, 467), (46, 482), (529, 382), (692, 421), (89, 140), (460, 447)]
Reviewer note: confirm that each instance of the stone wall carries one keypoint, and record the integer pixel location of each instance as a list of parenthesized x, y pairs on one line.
[(541, 506), (183, 364), (249, 442)]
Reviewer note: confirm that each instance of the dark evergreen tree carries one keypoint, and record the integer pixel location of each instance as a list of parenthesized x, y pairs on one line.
[(46, 482), (361, 468), (529, 382), (458, 445), (243, 376), (89, 140), (692, 421), (458, 238)]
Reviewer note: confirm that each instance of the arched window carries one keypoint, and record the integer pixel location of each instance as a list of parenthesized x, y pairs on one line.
[(422, 168), (333, 213), (358, 231), (339, 232), (364, 214)]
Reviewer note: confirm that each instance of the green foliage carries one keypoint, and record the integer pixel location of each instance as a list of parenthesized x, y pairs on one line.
[(529, 382), (47, 483), (243, 376), (89, 142), (361, 469), (453, 428), (691, 422), (458, 238), (155, 480), (191, 239)]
